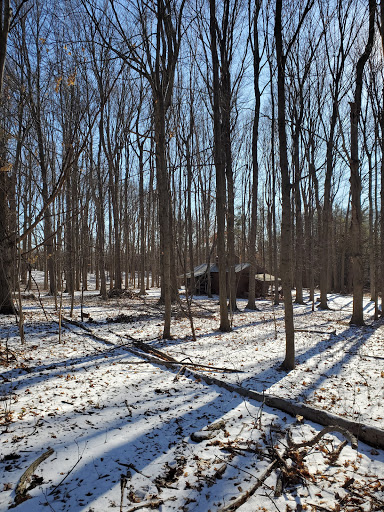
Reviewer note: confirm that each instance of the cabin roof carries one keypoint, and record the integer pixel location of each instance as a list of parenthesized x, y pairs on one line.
[(200, 270)]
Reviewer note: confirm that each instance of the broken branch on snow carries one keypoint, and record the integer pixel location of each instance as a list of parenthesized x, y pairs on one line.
[(26, 477), (326, 430)]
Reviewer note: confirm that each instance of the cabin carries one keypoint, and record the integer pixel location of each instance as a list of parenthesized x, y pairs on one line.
[(202, 273)]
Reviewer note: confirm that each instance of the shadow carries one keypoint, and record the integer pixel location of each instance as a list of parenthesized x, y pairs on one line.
[(160, 343), (347, 344), (13, 379), (138, 425), (104, 443)]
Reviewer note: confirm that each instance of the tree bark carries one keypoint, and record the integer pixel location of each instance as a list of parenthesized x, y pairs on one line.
[(286, 221), (220, 173), (381, 281), (255, 165), (355, 179), (6, 239), (289, 361)]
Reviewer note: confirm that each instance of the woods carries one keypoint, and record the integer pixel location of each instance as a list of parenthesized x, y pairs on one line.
[(140, 139), (191, 255)]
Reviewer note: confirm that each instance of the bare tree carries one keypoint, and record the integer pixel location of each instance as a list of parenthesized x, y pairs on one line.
[(255, 164), (286, 223), (6, 238), (336, 66), (219, 159), (356, 219), (382, 171)]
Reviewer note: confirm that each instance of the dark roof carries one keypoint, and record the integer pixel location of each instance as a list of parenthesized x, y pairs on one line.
[(200, 270)]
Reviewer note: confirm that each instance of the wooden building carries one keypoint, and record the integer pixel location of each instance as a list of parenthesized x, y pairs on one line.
[(204, 273)]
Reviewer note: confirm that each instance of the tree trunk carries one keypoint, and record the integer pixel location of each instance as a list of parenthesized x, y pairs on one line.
[(142, 218), (6, 239), (164, 208), (220, 174), (255, 165), (298, 213), (356, 219), (286, 222), (381, 281), (6, 246), (189, 212)]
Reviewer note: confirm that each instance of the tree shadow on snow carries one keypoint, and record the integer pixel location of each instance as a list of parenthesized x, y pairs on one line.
[(101, 455), (342, 347)]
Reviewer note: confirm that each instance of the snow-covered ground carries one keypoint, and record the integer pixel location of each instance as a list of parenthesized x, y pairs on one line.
[(122, 429)]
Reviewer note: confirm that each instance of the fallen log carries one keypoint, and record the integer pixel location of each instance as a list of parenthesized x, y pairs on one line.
[(89, 331), (368, 434), (192, 365), (371, 435), (312, 331)]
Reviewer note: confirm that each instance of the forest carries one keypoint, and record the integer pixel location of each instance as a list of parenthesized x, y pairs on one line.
[(191, 214)]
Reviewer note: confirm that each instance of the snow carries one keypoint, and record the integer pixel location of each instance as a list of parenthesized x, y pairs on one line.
[(121, 427)]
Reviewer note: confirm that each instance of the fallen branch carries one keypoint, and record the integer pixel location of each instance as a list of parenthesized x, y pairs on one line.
[(67, 475), (369, 434), (192, 365), (240, 500), (89, 331), (149, 504), (218, 474), (150, 350), (310, 331), (326, 430), (179, 373), (162, 355), (26, 477)]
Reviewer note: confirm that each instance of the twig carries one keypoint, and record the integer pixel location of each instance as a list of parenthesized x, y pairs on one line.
[(47, 501), (67, 475), (129, 408), (235, 504), (333, 456), (179, 373), (150, 504), (39, 297), (123, 485), (319, 507)]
